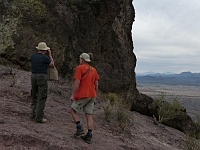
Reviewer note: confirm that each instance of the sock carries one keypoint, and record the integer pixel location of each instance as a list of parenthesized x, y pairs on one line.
[(89, 132), (78, 124)]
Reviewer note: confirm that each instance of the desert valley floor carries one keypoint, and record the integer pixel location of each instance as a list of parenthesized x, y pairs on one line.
[(188, 96)]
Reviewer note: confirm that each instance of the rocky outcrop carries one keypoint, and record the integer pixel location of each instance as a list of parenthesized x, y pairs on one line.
[(176, 118), (102, 27)]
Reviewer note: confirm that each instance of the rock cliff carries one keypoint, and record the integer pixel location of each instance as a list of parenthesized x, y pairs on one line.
[(70, 27)]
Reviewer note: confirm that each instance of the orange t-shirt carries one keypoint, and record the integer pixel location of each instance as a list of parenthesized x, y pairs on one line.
[(87, 82)]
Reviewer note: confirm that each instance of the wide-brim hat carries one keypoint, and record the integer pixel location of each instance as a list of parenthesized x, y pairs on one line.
[(42, 46), (85, 56)]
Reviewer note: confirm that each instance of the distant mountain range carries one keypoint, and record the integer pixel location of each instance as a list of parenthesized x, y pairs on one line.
[(184, 78)]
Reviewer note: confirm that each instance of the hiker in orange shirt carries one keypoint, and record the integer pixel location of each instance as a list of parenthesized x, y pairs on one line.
[(84, 94)]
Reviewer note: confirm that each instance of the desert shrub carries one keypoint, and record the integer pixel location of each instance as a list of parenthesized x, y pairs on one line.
[(196, 132), (176, 105), (191, 143), (112, 97), (122, 118), (109, 113), (114, 110), (110, 106), (167, 110)]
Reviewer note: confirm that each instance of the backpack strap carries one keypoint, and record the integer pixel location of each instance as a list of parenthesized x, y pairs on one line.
[(86, 71)]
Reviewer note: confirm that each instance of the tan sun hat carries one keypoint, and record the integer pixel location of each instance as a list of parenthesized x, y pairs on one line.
[(42, 46), (85, 56)]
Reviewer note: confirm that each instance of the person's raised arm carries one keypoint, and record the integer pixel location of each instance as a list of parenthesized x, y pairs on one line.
[(51, 58)]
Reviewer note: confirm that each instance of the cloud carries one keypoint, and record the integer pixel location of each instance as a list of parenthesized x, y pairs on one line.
[(166, 35)]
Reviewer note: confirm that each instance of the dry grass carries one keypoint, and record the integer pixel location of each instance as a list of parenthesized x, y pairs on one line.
[(115, 111)]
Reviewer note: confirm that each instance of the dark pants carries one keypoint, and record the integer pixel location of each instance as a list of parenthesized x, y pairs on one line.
[(39, 95)]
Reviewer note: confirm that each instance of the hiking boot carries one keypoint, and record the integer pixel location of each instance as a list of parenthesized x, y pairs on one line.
[(79, 131), (42, 121), (87, 138)]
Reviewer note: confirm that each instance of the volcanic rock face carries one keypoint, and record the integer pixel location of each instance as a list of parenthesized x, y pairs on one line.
[(70, 27)]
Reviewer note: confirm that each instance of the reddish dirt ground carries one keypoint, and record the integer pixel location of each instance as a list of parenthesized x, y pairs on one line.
[(19, 132)]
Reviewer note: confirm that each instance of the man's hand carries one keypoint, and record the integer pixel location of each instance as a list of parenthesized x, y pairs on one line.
[(72, 98), (49, 52), (51, 64), (50, 56)]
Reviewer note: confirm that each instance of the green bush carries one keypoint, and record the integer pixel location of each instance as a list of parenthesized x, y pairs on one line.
[(167, 110), (196, 132)]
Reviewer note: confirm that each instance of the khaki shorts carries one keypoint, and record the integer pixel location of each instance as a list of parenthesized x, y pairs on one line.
[(86, 103)]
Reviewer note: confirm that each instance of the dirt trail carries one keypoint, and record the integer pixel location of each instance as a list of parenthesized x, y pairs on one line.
[(19, 132)]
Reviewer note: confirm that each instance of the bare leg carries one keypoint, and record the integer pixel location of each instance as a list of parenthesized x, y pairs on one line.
[(74, 115), (89, 121)]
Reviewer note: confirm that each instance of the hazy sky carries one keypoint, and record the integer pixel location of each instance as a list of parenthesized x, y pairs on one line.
[(166, 35)]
